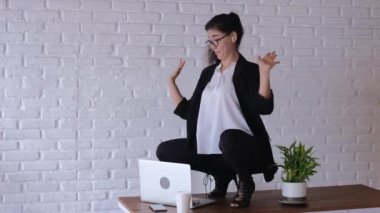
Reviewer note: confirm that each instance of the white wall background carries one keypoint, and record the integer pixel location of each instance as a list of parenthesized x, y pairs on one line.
[(83, 93)]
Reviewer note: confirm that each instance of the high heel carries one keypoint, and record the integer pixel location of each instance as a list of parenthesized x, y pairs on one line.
[(243, 196), (221, 186)]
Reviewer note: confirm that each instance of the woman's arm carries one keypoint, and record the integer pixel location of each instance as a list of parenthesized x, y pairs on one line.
[(265, 65), (175, 94)]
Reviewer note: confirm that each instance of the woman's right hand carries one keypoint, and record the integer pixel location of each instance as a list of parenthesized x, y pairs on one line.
[(173, 76)]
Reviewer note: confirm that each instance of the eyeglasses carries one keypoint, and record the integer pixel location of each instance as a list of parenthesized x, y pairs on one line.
[(215, 43)]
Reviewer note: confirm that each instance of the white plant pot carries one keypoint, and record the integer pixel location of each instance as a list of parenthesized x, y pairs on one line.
[(294, 190)]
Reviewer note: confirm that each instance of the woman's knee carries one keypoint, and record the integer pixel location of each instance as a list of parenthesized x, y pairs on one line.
[(172, 150), (161, 151), (235, 140), (227, 138)]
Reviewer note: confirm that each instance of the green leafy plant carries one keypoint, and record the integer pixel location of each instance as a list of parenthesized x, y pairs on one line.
[(299, 163)]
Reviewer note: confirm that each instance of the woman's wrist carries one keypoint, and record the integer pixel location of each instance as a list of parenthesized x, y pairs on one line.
[(264, 75), (171, 80), (264, 72)]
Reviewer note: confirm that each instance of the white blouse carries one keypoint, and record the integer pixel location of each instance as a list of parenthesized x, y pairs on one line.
[(219, 111)]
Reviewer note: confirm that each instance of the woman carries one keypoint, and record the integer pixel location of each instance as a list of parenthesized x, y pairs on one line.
[(225, 134)]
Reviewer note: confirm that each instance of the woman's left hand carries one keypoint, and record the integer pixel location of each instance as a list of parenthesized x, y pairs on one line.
[(267, 62)]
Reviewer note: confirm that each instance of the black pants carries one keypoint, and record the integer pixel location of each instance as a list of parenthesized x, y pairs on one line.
[(240, 155)]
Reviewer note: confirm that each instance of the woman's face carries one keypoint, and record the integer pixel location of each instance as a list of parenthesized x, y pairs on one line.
[(221, 43)]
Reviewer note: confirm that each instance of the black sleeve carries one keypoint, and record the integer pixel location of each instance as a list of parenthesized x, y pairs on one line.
[(183, 108)]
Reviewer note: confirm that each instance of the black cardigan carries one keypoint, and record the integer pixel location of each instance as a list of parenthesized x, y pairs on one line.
[(246, 80)]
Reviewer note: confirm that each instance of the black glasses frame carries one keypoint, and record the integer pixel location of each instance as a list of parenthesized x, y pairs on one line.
[(215, 43)]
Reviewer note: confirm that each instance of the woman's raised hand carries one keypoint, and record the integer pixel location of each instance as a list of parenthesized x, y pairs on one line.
[(173, 76), (175, 94), (267, 62)]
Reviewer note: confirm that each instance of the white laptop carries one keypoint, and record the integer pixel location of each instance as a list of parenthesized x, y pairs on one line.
[(159, 182)]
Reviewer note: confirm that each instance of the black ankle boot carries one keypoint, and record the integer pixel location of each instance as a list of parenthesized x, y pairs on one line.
[(269, 172), (221, 185), (244, 193)]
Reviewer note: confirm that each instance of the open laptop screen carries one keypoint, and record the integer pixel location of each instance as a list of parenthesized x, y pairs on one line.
[(159, 181)]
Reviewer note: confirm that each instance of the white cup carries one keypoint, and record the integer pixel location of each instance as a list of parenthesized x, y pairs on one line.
[(183, 200)]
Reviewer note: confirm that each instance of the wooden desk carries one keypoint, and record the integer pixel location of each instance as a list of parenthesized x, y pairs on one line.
[(319, 199)]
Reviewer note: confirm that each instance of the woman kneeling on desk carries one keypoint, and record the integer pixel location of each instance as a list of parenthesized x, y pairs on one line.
[(225, 134)]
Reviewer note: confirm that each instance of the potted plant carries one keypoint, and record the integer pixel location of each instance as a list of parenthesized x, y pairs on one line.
[(298, 166)]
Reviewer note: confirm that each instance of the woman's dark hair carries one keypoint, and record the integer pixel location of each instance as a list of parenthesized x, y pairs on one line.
[(226, 23)]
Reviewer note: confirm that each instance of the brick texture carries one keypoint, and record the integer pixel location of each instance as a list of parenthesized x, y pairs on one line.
[(83, 92)]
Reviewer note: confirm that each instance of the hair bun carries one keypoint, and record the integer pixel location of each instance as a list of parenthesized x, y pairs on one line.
[(234, 16)]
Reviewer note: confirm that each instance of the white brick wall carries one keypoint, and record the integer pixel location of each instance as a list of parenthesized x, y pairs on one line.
[(83, 93)]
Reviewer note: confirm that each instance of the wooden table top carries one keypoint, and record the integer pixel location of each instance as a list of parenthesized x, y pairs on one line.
[(318, 199)]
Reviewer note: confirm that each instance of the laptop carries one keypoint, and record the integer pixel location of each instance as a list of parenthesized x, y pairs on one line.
[(159, 182)]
